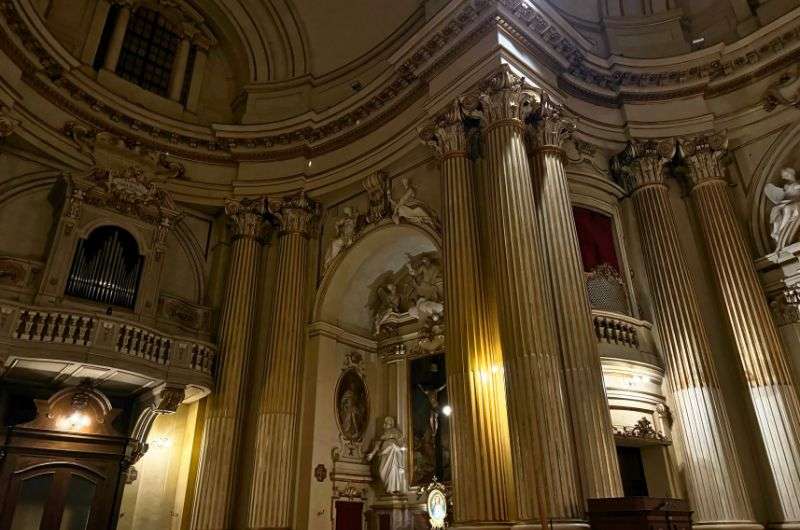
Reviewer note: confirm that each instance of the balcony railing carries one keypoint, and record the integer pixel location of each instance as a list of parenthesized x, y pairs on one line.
[(28, 331)]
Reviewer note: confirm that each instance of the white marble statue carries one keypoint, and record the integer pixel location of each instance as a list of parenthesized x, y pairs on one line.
[(408, 207), (785, 213), (345, 229), (392, 452)]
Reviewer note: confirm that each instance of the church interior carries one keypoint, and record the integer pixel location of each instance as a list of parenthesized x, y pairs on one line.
[(408, 265)]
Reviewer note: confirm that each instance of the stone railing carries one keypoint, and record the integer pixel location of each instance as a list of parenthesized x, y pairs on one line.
[(27, 331), (624, 336)]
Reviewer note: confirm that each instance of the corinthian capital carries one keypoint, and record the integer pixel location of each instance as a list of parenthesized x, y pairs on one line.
[(501, 97), (703, 155), (446, 134), (296, 214), (246, 217), (642, 163), (550, 128)]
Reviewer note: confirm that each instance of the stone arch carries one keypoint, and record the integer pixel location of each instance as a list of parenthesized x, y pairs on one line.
[(343, 294)]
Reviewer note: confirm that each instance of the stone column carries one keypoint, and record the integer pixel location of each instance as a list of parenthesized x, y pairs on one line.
[(712, 469), (215, 478), (179, 66), (761, 354), (543, 453), (274, 470), (117, 37), (99, 19), (198, 74), (480, 447), (589, 412)]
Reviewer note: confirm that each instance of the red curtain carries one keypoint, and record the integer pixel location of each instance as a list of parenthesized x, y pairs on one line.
[(596, 238), (348, 515)]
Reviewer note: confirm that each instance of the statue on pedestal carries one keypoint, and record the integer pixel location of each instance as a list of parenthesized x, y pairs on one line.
[(785, 214), (391, 466)]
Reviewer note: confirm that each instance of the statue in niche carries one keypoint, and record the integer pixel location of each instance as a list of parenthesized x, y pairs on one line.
[(391, 466), (352, 408), (785, 213), (345, 228), (408, 207)]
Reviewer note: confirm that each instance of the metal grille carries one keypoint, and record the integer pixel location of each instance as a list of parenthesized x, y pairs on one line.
[(106, 268), (148, 51), (606, 289)]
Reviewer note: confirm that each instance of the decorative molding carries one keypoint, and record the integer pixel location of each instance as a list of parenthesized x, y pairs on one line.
[(446, 133), (246, 217), (8, 124), (503, 96), (786, 306), (642, 163), (642, 431), (784, 92), (185, 315), (549, 127), (704, 156), (295, 214)]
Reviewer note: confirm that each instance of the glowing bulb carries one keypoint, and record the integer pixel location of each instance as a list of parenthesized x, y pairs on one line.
[(447, 410), (76, 420)]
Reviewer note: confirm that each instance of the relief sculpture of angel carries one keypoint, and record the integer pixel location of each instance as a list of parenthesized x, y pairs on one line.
[(785, 213)]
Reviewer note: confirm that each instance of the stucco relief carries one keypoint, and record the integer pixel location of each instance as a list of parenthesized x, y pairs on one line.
[(785, 213)]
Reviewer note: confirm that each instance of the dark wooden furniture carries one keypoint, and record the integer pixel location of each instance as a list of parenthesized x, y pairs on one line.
[(639, 513)]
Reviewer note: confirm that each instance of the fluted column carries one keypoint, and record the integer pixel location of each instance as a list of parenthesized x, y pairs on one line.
[(215, 478), (480, 449), (274, 469), (543, 453), (713, 474), (761, 353), (179, 66), (588, 406)]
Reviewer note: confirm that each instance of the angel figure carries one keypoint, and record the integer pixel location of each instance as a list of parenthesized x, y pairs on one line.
[(409, 207), (785, 214), (388, 303), (428, 279), (391, 467), (345, 228)]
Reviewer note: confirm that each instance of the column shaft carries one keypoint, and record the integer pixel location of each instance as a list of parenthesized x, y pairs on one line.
[(480, 448), (589, 412), (761, 353), (271, 501), (117, 38), (179, 66), (198, 74), (713, 474), (215, 484), (541, 442)]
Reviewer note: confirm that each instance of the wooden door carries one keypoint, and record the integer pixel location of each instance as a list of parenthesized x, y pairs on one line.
[(57, 496)]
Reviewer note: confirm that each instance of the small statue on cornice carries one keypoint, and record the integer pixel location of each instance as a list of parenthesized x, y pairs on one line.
[(408, 207), (785, 213), (345, 228)]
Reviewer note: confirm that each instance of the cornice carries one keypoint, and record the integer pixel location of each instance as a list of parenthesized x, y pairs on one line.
[(543, 31)]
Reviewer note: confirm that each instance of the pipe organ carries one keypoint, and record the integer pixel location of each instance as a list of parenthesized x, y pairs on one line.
[(106, 268)]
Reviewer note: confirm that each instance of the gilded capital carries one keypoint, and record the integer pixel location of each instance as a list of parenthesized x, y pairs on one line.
[(246, 217), (703, 155), (642, 163), (503, 96), (296, 214), (446, 134), (549, 127)]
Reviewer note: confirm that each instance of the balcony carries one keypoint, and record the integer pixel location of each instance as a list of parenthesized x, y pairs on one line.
[(52, 345), (624, 337)]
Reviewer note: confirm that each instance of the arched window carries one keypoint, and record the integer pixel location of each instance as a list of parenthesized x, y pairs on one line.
[(106, 268)]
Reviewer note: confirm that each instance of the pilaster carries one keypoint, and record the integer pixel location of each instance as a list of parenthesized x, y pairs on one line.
[(224, 410), (713, 474), (760, 352), (588, 406), (271, 496), (542, 447), (480, 447)]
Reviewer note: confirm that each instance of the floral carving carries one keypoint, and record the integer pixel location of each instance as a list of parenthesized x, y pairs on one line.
[(549, 126), (642, 430), (704, 156), (296, 214), (642, 163), (446, 133), (246, 217), (502, 96)]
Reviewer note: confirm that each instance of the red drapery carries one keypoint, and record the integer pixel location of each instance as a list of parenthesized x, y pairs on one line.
[(348, 515), (596, 238)]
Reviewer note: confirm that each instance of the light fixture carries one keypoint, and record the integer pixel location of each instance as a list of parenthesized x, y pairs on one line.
[(447, 410), (75, 421), (162, 442)]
